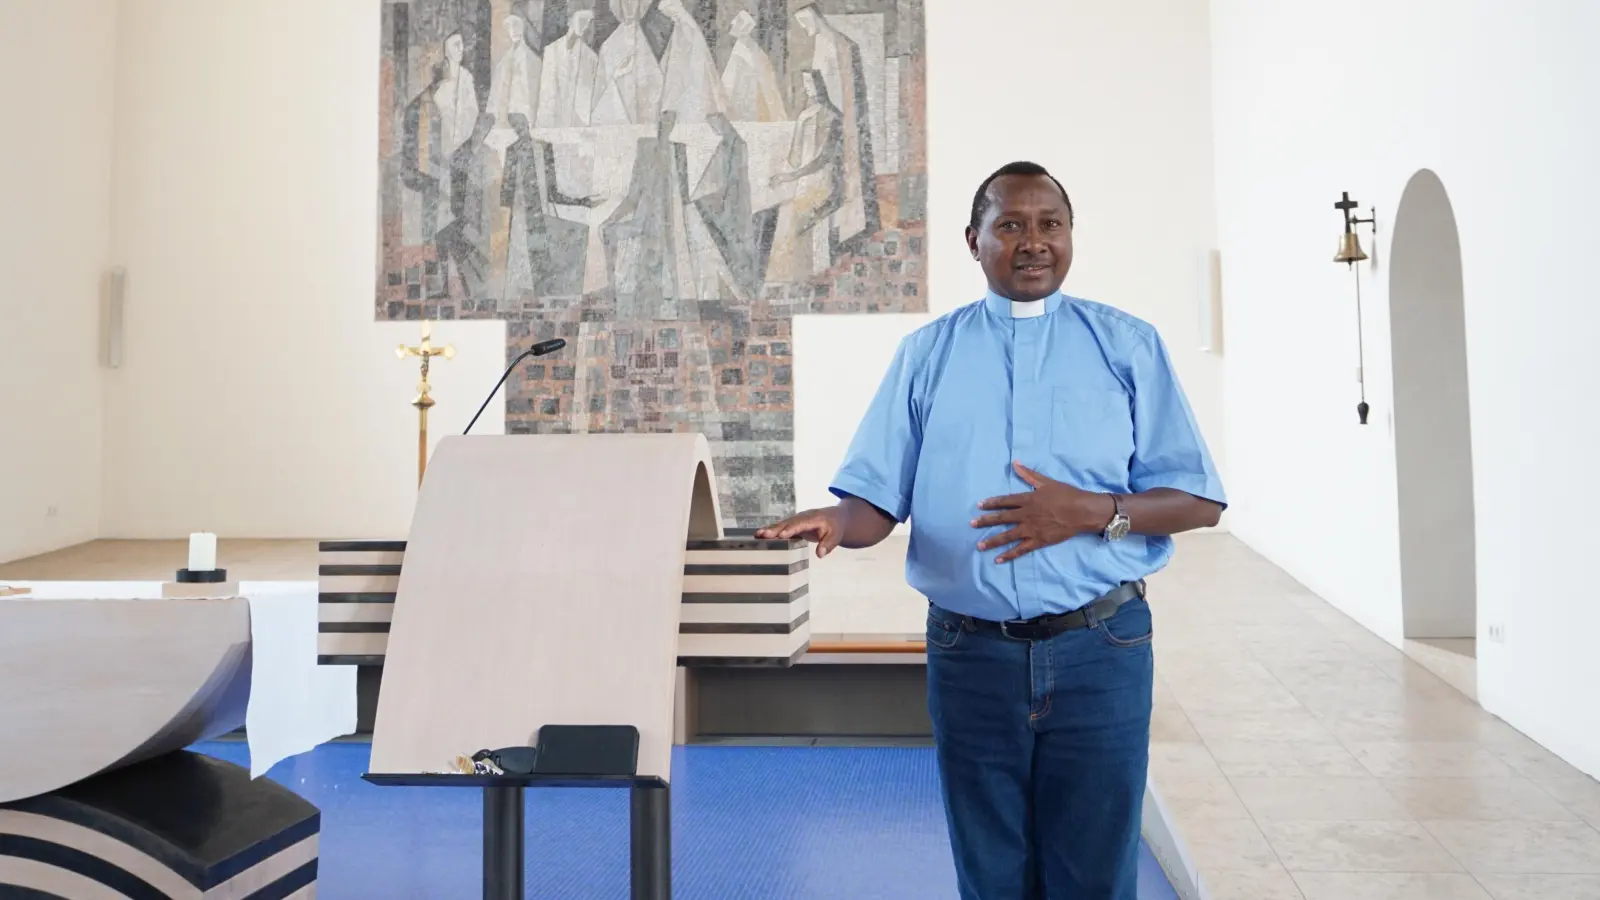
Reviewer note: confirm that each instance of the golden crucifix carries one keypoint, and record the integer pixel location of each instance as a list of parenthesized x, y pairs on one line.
[(424, 401)]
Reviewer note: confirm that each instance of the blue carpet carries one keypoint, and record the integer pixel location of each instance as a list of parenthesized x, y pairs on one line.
[(749, 823)]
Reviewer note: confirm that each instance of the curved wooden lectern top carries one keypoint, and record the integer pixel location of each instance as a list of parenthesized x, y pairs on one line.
[(88, 686), (542, 585)]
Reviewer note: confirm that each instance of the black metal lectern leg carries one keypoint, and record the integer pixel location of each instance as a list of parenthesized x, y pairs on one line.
[(651, 838), (502, 843), (566, 756)]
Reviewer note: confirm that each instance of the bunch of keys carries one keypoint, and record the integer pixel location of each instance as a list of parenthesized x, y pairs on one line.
[(478, 764)]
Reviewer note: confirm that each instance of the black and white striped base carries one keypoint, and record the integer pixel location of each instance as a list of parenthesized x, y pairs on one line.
[(356, 585), (182, 826), (745, 602)]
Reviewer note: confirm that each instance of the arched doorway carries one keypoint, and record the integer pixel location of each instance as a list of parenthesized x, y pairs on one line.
[(1432, 422)]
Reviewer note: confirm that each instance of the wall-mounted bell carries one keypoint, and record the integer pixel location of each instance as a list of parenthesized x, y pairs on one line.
[(1350, 253), (1349, 249)]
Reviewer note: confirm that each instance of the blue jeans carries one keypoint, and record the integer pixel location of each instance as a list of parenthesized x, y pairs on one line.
[(1043, 748)]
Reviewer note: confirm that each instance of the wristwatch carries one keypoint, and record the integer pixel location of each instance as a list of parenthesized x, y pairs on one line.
[(1120, 523)]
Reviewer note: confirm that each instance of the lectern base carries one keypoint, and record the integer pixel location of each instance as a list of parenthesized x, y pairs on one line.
[(650, 826)]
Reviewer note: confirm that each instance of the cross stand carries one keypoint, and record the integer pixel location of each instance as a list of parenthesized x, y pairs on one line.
[(650, 828), (426, 351)]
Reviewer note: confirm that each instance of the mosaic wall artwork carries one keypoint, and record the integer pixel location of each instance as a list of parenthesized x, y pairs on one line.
[(665, 184)]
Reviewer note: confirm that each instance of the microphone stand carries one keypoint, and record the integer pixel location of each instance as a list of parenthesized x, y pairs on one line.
[(540, 349)]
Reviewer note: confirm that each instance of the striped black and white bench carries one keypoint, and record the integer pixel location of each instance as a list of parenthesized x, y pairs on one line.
[(745, 601)]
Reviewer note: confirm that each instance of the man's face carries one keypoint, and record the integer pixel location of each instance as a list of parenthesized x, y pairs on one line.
[(1024, 242)]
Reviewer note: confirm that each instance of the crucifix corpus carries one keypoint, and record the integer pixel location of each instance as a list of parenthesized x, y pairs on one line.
[(426, 351)]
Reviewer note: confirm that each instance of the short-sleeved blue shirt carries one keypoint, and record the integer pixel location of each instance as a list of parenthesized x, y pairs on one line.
[(1082, 393)]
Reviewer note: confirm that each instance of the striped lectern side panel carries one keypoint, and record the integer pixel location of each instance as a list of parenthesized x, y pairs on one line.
[(356, 585), (745, 602)]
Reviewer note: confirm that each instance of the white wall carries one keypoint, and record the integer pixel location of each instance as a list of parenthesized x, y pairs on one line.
[(247, 211), (259, 397), (56, 62), (1114, 99), (1308, 105)]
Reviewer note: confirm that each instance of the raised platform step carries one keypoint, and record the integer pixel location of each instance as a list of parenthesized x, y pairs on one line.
[(840, 701)]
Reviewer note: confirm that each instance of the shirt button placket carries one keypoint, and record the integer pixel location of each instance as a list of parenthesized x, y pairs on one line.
[(1025, 448)]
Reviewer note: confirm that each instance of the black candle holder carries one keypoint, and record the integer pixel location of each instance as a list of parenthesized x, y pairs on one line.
[(203, 576)]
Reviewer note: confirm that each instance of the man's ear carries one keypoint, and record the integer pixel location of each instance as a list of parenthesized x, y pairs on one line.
[(972, 241)]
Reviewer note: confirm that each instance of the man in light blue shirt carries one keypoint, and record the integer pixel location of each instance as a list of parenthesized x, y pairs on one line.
[(1044, 453)]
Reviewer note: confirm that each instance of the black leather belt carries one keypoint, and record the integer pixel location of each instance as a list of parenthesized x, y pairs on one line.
[(1041, 628)]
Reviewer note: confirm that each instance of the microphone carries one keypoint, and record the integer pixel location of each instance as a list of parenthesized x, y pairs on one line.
[(542, 348)]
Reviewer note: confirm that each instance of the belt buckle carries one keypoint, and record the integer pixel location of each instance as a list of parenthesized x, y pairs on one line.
[(1005, 630)]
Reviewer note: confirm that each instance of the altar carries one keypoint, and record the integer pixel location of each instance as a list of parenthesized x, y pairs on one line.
[(104, 688), (294, 704)]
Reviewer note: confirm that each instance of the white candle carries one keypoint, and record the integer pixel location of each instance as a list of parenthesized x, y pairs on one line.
[(202, 552)]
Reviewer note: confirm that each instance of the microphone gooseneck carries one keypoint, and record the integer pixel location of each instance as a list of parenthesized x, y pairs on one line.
[(543, 348)]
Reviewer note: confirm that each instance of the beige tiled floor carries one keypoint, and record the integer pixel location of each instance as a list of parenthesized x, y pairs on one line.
[(1306, 759), (1302, 757)]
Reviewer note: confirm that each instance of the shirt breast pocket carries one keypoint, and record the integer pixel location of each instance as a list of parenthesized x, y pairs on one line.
[(1091, 433)]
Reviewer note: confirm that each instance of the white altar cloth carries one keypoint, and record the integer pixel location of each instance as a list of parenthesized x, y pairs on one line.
[(295, 704)]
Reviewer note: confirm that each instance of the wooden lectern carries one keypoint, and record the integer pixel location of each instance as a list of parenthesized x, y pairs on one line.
[(541, 593)]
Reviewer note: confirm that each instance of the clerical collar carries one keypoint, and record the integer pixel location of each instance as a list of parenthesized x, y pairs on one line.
[(1013, 309)]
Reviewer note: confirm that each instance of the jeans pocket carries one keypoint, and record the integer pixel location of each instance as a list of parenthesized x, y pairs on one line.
[(1130, 626), (944, 630)]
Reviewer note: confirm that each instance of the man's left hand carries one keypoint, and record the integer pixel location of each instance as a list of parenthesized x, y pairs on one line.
[(1049, 514)]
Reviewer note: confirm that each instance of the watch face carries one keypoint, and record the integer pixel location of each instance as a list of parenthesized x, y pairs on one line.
[(1118, 528)]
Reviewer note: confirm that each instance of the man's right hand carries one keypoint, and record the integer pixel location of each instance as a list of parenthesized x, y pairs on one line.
[(823, 527)]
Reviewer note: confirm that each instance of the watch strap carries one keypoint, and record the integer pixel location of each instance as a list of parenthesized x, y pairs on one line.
[(1112, 530)]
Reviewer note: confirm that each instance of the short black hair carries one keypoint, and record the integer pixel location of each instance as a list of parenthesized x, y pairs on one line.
[(980, 200)]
